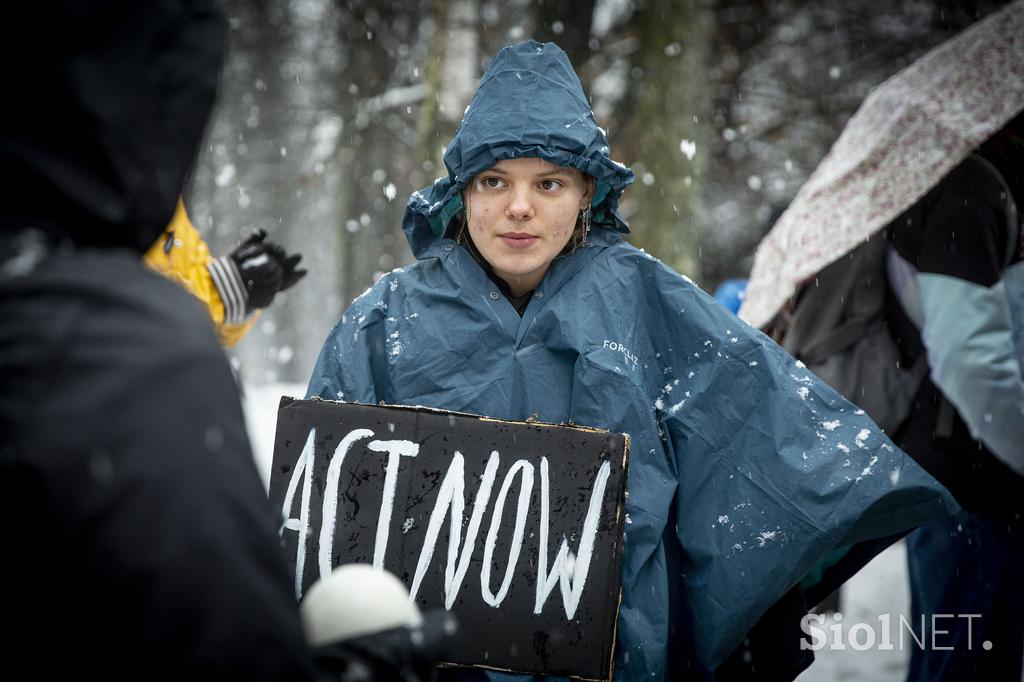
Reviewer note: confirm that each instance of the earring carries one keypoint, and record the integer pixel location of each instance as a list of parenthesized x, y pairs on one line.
[(583, 233)]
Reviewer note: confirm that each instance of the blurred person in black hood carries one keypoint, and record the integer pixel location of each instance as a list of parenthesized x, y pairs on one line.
[(141, 544)]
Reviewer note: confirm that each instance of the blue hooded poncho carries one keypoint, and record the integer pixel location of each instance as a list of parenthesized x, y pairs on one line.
[(742, 459)]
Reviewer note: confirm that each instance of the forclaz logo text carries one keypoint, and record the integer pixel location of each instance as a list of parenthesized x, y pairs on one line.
[(631, 359)]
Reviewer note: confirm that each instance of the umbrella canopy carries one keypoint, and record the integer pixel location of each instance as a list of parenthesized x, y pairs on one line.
[(907, 135)]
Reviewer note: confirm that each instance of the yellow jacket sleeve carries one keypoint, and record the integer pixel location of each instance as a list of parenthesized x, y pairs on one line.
[(181, 255)]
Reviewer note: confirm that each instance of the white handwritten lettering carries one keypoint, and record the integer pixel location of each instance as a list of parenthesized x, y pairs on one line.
[(568, 571), (525, 489), (395, 450), (571, 575), (301, 525), (330, 508), (450, 498)]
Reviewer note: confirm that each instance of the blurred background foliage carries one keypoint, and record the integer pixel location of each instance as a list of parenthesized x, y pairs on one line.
[(331, 113)]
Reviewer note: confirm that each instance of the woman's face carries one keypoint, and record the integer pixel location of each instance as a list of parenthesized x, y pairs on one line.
[(521, 215)]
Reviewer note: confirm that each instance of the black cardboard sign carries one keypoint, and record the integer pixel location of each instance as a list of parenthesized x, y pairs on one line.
[(515, 527)]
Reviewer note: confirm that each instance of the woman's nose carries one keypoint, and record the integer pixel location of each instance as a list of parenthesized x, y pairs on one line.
[(520, 207)]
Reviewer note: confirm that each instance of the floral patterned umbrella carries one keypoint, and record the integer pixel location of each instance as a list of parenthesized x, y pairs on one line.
[(907, 135)]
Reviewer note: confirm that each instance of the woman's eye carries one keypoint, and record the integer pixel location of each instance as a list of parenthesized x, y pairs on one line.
[(550, 185), (491, 182)]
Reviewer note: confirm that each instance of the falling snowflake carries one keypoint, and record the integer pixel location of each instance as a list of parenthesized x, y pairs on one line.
[(688, 148)]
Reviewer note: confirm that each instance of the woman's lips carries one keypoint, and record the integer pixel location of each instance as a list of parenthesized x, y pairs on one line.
[(517, 240)]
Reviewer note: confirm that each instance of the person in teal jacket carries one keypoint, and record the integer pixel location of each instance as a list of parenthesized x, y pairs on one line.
[(525, 301)]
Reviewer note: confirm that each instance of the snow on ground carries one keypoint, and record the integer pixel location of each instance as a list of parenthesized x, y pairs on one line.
[(880, 587), (260, 405)]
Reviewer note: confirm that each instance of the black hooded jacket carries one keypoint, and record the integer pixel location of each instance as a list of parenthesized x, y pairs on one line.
[(106, 101), (140, 543)]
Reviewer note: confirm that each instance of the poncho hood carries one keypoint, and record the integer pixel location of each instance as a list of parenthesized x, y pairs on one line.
[(529, 103)]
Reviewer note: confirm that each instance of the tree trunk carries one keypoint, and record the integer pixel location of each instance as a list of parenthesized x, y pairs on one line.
[(668, 114)]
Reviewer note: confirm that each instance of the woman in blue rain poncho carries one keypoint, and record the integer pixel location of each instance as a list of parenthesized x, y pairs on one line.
[(525, 301)]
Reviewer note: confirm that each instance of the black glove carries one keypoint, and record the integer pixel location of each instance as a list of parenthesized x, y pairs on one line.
[(405, 654), (251, 275)]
